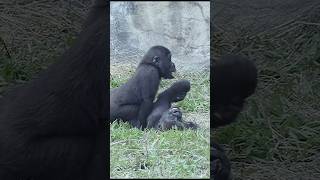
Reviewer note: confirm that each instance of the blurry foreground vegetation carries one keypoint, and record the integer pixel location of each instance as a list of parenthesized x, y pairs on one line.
[(33, 34), (278, 134)]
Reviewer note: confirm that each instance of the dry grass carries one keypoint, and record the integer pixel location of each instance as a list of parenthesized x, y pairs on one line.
[(278, 135), (34, 33)]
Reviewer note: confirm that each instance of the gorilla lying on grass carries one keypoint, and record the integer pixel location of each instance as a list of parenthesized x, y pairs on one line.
[(234, 80), (172, 118), (163, 117)]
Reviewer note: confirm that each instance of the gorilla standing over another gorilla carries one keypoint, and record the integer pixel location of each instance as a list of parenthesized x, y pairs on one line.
[(133, 101), (53, 127)]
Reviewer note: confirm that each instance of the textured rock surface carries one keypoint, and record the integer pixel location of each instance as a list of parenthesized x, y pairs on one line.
[(183, 27)]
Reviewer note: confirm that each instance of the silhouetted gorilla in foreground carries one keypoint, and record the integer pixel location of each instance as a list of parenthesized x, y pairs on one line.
[(172, 118), (53, 128), (134, 99), (234, 79), (176, 92)]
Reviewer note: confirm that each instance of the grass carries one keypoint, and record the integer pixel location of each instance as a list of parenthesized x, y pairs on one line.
[(278, 134), (34, 34), (169, 154), (152, 154)]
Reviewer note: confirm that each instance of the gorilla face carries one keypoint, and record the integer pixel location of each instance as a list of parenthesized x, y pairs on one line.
[(161, 57), (167, 67), (175, 113), (171, 118)]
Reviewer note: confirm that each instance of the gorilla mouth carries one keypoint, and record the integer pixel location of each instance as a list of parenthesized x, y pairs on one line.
[(170, 76)]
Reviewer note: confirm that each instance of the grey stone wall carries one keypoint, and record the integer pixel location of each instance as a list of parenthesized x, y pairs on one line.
[(183, 27)]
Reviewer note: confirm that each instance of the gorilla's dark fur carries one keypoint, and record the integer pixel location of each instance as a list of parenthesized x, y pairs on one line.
[(53, 128), (234, 79), (173, 118), (176, 92), (133, 101)]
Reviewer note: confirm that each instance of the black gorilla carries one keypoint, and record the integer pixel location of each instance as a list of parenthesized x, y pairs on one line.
[(53, 128), (134, 99), (171, 118), (176, 92), (234, 79)]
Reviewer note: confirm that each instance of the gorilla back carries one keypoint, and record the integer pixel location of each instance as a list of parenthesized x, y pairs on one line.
[(54, 126), (134, 99)]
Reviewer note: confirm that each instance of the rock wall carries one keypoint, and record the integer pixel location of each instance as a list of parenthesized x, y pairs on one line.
[(183, 27)]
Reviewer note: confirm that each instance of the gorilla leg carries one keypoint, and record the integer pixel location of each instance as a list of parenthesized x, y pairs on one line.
[(130, 113), (175, 93)]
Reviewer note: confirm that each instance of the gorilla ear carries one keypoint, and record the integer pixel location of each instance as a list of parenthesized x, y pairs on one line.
[(156, 59)]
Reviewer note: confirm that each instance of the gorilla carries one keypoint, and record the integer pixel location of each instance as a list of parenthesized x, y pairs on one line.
[(234, 80), (134, 99), (173, 118), (53, 127), (176, 92)]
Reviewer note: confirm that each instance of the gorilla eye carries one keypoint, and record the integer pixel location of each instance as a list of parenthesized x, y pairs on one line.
[(156, 59)]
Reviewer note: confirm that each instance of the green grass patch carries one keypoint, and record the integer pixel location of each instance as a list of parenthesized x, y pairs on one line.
[(153, 154)]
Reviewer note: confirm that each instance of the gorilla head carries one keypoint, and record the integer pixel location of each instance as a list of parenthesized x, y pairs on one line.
[(234, 79), (159, 57), (171, 118)]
